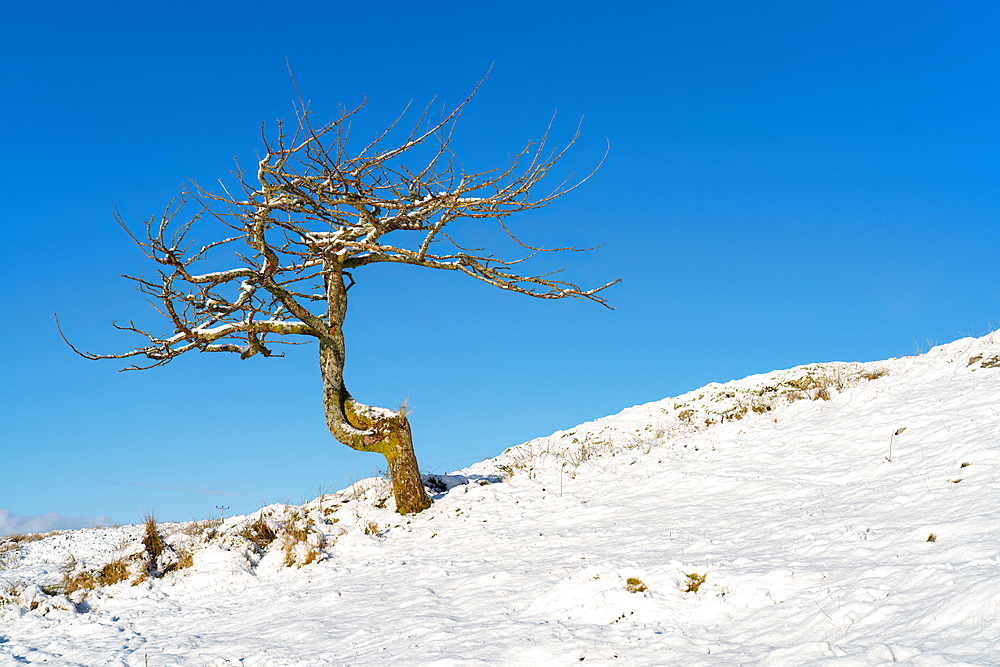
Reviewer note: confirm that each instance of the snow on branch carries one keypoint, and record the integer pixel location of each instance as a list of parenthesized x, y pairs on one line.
[(315, 209)]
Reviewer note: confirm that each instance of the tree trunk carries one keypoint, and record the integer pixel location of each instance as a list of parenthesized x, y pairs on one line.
[(360, 426), (395, 443)]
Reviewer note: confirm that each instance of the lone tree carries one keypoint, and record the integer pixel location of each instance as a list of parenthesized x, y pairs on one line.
[(313, 212)]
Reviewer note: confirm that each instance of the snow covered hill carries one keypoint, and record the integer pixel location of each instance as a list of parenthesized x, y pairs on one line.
[(759, 522)]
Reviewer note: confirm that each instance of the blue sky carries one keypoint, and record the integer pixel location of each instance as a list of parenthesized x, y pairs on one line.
[(788, 183)]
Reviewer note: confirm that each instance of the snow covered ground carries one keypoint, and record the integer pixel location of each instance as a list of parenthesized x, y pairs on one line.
[(778, 490)]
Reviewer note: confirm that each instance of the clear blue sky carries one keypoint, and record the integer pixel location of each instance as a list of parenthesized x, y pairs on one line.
[(788, 182)]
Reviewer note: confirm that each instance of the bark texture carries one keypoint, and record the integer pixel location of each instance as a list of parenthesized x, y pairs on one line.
[(390, 437)]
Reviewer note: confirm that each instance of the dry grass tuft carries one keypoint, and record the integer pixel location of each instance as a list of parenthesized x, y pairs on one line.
[(793, 395), (635, 585), (10, 594), (295, 543), (73, 580), (151, 538), (185, 559), (520, 459), (299, 533), (298, 555), (12, 542), (694, 582), (259, 533), (874, 374), (404, 408), (288, 547), (201, 528), (112, 573)]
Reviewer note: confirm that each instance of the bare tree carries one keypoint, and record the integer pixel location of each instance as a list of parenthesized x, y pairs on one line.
[(313, 212)]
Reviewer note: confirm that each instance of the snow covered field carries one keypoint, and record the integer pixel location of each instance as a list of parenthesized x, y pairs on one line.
[(777, 490)]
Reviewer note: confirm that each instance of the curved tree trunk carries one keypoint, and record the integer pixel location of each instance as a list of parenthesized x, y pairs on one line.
[(396, 444), (360, 426)]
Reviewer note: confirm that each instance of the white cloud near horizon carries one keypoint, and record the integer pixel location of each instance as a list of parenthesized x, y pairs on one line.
[(14, 524)]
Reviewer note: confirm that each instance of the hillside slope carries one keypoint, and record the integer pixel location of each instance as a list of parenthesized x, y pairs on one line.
[(757, 522)]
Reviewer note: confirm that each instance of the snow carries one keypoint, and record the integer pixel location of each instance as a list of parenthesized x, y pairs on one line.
[(776, 488)]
